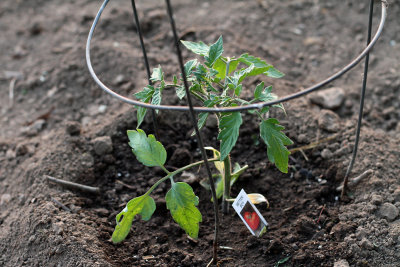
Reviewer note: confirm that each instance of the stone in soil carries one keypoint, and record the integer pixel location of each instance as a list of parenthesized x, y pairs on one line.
[(329, 121), (326, 153), (102, 145), (330, 99), (388, 211), (341, 263)]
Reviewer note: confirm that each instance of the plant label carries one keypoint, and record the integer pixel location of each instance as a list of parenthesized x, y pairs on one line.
[(249, 214)]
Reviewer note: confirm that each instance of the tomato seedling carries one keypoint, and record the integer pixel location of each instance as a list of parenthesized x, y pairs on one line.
[(214, 82)]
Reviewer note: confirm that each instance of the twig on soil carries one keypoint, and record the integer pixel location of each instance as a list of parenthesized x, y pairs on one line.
[(322, 210), (44, 116), (72, 185), (61, 205), (225, 247), (192, 239), (313, 144), (288, 209), (11, 92), (357, 179), (124, 184), (304, 155)]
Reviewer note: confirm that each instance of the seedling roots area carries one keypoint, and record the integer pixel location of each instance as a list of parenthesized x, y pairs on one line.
[(55, 122)]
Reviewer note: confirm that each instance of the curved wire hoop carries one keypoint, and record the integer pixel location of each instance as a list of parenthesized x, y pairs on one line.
[(260, 105)]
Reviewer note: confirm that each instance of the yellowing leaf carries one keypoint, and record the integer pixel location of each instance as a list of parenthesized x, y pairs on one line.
[(256, 198), (218, 164), (143, 205), (182, 202)]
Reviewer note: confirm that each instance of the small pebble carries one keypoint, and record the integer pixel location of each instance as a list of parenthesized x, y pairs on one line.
[(330, 99), (329, 121), (366, 244), (4, 199), (341, 263), (326, 154), (102, 145), (388, 211)]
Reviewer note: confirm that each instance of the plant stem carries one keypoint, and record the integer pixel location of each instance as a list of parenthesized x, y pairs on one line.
[(227, 185), (228, 62), (165, 170), (170, 174)]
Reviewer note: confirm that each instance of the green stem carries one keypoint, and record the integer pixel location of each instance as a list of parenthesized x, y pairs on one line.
[(227, 184), (170, 174), (228, 62), (198, 96), (165, 170)]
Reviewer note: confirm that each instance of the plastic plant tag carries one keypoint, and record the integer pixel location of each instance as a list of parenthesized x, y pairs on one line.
[(249, 214)]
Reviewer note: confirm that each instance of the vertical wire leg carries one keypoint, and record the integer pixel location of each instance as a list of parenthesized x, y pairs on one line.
[(146, 63), (198, 134), (360, 114)]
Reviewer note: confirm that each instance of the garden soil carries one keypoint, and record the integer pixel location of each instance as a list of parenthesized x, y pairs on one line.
[(59, 123)]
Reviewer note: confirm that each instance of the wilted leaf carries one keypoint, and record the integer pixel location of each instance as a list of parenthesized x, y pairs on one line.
[(257, 199)]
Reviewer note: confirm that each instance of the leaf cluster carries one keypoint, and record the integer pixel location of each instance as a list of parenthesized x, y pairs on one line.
[(216, 81), (180, 199)]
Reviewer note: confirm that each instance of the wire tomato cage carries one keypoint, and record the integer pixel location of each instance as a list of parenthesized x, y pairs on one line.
[(371, 41)]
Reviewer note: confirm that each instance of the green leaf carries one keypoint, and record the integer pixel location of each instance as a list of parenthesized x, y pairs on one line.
[(140, 114), (220, 66), (261, 67), (266, 95), (146, 93), (175, 80), (200, 73), (243, 73), (219, 186), (202, 120), (251, 60), (274, 73), (229, 125), (156, 98), (258, 91), (238, 90), (276, 141), (237, 171), (215, 52), (218, 164), (157, 74), (189, 66), (180, 91), (147, 150), (145, 96), (143, 205), (199, 48), (182, 202)]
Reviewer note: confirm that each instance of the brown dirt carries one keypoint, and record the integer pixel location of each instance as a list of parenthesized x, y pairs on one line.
[(42, 44)]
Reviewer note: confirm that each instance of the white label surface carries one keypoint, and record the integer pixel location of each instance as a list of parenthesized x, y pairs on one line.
[(249, 214)]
